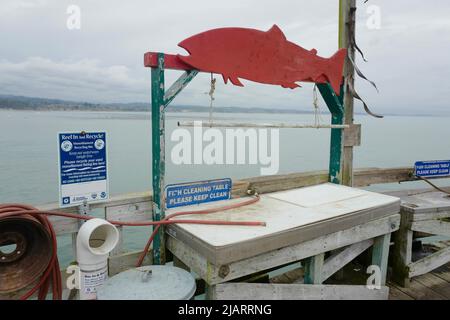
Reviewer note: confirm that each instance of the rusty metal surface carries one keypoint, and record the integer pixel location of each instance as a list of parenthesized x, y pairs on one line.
[(31, 255), (264, 57)]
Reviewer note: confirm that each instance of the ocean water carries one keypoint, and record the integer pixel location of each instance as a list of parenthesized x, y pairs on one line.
[(28, 152)]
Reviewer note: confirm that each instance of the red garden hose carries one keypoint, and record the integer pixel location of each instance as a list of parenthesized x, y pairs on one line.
[(52, 275)]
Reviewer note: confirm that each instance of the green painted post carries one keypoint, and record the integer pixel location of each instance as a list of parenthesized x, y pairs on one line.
[(335, 105), (158, 154)]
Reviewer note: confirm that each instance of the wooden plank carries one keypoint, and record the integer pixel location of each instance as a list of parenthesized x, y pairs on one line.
[(266, 184), (263, 291), (442, 272), (240, 188), (418, 291), (64, 225), (116, 200), (352, 135), (435, 283), (437, 213), (340, 259), (438, 227), (127, 261), (396, 294), (137, 211), (292, 276), (367, 177), (429, 263), (213, 274)]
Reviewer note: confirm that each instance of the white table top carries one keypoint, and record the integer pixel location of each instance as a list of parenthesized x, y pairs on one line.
[(281, 211)]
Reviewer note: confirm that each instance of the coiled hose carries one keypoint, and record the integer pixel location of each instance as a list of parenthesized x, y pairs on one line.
[(52, 275)]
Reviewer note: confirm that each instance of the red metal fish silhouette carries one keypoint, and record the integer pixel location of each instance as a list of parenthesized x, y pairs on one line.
[(265, 57)]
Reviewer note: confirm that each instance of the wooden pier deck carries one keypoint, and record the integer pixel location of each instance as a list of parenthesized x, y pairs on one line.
[(431, 286)]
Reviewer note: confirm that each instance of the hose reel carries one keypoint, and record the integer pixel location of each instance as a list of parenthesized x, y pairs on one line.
[(25, 252)]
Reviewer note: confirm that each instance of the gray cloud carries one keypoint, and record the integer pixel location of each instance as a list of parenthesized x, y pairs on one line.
[(102, 62)]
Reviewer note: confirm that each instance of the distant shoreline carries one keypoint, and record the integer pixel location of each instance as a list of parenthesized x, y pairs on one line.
[(22, 103)]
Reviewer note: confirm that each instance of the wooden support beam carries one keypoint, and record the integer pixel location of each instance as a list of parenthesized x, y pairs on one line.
[(313, 269), (380, 254), (438, 227), (158, 154), (402, 252), (429, 263), (179, 85), (340, 259), (347, 24), (262, 291)]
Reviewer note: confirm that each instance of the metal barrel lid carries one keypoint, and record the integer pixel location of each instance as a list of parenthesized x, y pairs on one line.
[(149, 283)]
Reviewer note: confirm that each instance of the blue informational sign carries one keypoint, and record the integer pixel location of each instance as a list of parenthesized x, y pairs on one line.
[(437, 168), (83, 173), (186, 194)]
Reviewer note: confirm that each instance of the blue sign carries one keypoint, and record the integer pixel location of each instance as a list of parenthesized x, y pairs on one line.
[(82, 167), (438, 168), (186, 194)]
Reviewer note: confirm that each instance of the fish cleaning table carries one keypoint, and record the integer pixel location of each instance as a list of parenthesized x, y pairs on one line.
[(300, 223)]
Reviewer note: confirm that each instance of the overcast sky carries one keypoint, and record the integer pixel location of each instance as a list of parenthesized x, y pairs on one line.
[(103, 61)]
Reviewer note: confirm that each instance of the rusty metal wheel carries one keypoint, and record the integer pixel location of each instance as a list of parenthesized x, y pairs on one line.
[(25, 252)]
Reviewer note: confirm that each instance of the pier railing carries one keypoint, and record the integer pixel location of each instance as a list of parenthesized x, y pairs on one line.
[(137, 206)]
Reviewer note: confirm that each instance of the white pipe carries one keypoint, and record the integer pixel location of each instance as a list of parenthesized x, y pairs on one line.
[(223, 124), (96, 239)]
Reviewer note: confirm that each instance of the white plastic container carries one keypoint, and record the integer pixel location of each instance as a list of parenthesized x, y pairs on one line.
[(96, 239)]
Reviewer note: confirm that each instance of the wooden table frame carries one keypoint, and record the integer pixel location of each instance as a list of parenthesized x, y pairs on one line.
[(351, 242), (426, 220)]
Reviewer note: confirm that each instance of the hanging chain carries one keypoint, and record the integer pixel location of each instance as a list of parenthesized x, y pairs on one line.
[(211, 96)]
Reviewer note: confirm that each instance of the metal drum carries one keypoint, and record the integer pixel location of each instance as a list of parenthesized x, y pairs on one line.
[(149, 283)]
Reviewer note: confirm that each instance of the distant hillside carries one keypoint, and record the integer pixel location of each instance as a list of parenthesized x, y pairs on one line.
[(45, 104)]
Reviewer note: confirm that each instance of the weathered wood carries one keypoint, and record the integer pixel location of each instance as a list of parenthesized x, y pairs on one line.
[(429, 263), (127, 261), (438, 227), (346, 28), (367, 177), (266, 184), (396, 294), (64, 225), (313, 269), (418, 291), (442, 272), (179, 85), (292, 276), (402, 252), (262, 291), (380, 254), (213, 274), (435, 283), (179, 264), (340, 259), (352, 135), (137, 211)]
